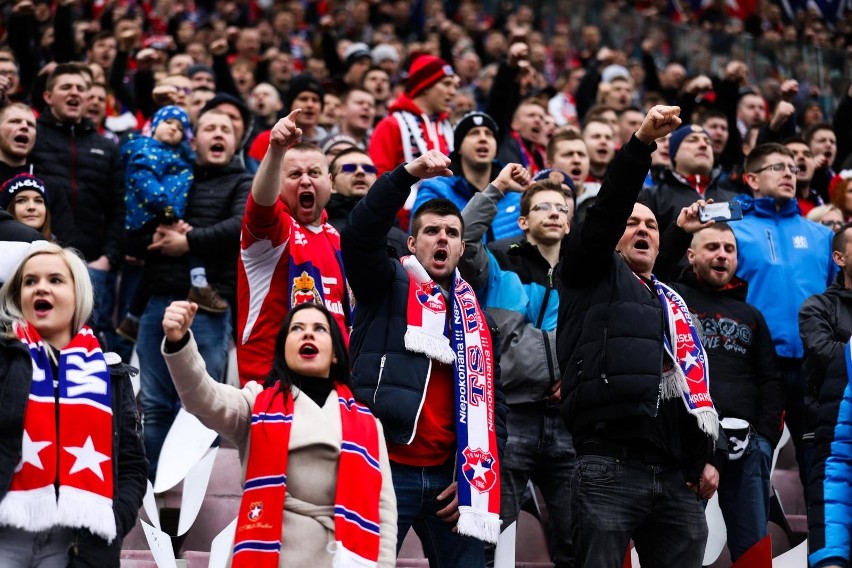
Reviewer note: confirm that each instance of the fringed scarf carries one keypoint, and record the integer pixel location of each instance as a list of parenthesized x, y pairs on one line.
[(469, 349), (689, 375), (67, 441), (257, 543)]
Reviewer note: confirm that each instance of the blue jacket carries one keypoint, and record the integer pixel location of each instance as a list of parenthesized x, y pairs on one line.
[(387, 377), (517, 289), (785, 259), (156, 176), (458, 190), (830, 510)]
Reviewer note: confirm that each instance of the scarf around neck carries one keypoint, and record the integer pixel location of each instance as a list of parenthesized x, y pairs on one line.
[(689, 375), (470, 350), (257, 543), (65, 476)]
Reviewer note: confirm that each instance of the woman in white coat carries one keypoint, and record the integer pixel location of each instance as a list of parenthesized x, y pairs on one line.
[(327, 497)]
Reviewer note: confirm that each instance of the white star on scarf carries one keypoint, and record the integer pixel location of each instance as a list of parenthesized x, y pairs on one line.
[(87, 458), (690, 360), (30, 452), (479, 471)]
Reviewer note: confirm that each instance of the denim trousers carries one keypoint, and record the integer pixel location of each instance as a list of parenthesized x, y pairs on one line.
[(417, 490), (160, 402), (795, 384), (744, 496), (101, 321), (539, 448), (614, 500), (25, 549)]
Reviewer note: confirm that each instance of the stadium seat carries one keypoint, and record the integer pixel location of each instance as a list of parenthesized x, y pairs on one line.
[(196, 559), (531, 549), (791, 495), (411, 554)]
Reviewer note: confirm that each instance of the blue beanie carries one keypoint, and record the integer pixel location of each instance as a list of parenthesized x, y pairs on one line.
[(546, 175), (172, 111), (681, 133), (19, 183)]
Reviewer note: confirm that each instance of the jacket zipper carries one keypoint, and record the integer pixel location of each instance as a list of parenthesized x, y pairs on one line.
[(603, 357), (771, 245), (381, 371), (422, 402), (72, 143), (546, 298)]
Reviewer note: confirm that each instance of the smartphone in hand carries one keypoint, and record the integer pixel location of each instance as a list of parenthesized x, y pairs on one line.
[(725, 211)]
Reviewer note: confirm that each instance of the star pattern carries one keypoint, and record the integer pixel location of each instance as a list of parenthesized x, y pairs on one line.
[(30, 452), (87, 458), (479, 470), (690, 360)]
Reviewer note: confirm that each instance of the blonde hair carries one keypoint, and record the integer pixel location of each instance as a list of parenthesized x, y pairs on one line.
[(11, 311), (817, 213)]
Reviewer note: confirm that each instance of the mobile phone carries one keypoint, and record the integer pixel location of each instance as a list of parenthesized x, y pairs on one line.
[(725, 211)]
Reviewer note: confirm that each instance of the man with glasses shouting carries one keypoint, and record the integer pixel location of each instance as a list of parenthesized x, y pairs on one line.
[(352, 175), (785, 259)]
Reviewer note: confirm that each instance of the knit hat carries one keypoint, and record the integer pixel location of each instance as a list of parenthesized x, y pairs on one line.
[(545, 174), (225, 98), (21, 182), (425, 71), (470, 121), (172, 111), (300, 84), (385, 51), (199, 68), (610, 72), (356, 52), (678, 135)]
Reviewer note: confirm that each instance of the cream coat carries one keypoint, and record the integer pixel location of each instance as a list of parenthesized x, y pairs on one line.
[(312, 468)]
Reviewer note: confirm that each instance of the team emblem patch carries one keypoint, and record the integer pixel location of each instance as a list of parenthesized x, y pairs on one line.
[(304, 291), (478, 469), (429, 296), (255, 511)]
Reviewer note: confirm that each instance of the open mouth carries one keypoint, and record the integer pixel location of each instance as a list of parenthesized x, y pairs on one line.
[(308, 350), (42, 307), (576, 172), (306, 200), (720, 270), (73, 103), (22, 139), (642, 244), (217, 149), (441, 256)]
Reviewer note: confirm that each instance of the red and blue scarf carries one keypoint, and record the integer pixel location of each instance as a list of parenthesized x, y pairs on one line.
[(257, 543), (470, 350), (67, 441)]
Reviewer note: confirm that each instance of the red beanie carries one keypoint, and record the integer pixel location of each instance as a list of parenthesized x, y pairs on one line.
[(425, 71)]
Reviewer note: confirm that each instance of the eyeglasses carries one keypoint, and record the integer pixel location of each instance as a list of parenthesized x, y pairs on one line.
[(834, 225), (548, 207), (779, 167), (352, 168)]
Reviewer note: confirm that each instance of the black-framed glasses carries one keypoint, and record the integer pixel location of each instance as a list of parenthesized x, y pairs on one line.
[(833, 225), (779, 167), (352, 168), (548, 207)]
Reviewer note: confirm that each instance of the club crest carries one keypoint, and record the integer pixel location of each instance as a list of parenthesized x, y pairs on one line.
[(478, 469), (430, 297), (304, 291), (255, 511)]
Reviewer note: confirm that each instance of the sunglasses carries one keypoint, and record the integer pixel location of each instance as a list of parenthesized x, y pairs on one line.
[(352, 168)]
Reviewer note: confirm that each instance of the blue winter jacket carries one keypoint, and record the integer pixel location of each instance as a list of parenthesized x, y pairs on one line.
[(458, 190), (785, 259)]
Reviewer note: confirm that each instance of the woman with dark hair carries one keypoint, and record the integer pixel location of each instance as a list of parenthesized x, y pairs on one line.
[(25, 197), (72, 464), (317, 484)]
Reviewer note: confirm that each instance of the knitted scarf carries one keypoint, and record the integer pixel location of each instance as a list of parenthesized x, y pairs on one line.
[(309, 262), (689, 376), (67, 441), (470, 350), (359, 482)]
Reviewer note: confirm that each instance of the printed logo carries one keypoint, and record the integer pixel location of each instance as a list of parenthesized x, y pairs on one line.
[(478, 469), (800, 242), (304, 291), (429, 296), (255, 511)]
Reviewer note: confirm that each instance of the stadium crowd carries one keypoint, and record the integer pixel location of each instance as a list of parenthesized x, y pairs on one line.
[(511, 247)]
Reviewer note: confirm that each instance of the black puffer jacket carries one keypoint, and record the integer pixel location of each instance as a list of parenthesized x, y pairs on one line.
[(386, 376), (130, 467), (85, 168), (215, 207)]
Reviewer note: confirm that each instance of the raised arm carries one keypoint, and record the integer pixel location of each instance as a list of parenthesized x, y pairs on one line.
[(267, 180)]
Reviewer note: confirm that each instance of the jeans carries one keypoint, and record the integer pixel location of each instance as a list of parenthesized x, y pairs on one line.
[(104, 283), (417, 489), (795, 384), (128, 286), (744, 496), (25, 549), (614, 500), (160, 402), (539, 447)]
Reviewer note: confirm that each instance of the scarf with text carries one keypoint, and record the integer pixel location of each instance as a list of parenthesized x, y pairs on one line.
[(67, 441), (469, 348), (689, 374), (257, 543), (311, 267)]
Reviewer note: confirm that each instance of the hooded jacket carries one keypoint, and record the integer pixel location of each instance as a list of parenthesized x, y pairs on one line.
[(388, 149), (785, 259)]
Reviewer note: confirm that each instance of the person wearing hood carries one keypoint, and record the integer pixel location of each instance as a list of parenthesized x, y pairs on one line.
[(474, 165), (785, 259), (418, 121), (242, 120), (289, 253)]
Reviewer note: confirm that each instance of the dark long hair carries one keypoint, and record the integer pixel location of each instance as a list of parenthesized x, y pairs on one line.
[(281, 372)]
